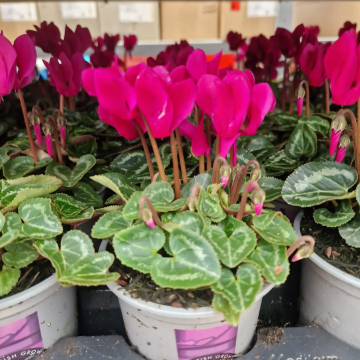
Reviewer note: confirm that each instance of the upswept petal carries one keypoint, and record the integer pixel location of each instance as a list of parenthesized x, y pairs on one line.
[(199, 144), (7, 66), (208, 93), (196, 64), (163, 75), (213, 65), (88, 81), (225, 145), (133, 72), (179, 74)]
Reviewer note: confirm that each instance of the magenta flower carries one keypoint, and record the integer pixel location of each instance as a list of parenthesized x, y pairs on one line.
[(258, 208), (342, 68), (299, 105), (130, 42), (162, 59), (7, 65), (197, 65), (348, 25), (48, 140), (315, 30), (101, 57), (37, 131), (343, 145), (66, 77)]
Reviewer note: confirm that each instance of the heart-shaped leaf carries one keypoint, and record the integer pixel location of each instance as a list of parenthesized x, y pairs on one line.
[(108, 209), (67, 206), (187, 220), (278, 231), (8, 238), (4, 157), (81, 216), (194, 262), (23, 165), (302, 141), (280, 161), (317, 182), (39, 220), (221, 304), (285, 121), (272, 187), (87, 195), (203, 180), (8, 279), (240, 292), (350, 231), (20, 255), (118, 183), (261, 147), (131, 208), (11, 229), (68, 176), (137, 246), (123, 162), (207, 206), (109, 224), (271, 260), (343, 214), (233, 249), (318, 124), (76, 263)]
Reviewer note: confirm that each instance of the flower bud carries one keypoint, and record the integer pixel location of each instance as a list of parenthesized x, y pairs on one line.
[(146, 216), (304, 251), (48, 139), (37, 132), (62, 126), (343, 145), (48, 130), (258, 198), (35, 122), (254, 175), (300, 94), (191, 203), (225, 171), (337, 126)]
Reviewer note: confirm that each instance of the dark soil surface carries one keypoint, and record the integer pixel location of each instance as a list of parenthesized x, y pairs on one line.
[(270, 336), (330, 246)]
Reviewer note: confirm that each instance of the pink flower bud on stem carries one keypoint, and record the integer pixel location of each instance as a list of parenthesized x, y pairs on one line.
[(338, 125), (148, 214), (63, 132), (343, 145), (48, 139), (300, 94), (37, 131), (305, 245)]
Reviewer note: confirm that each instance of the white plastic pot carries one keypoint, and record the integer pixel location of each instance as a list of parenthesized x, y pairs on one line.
[(330, 297), (162, 332), (36, 318)]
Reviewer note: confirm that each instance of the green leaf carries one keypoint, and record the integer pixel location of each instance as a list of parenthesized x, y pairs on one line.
[(261, 147), (229, 225), (278, 232), (76, 263), (67, 206), (123, 162), (2, 221), (165, 154), (12, 223), (343, 214), (221, 304), (314, 183), (39, 220), (204, 180), (318, 124), (137, 246), (174, 206), (8, 279), (139, 172), (350, 231), (285, 121), (68, 176), (358, 193), (302, 141), (186, 220), (272, 187), (4, 157), (3, 127), (280, 161), (8, 238), (159, 193), (240, 292), (20, 255), (113, 199), (108, 209), (87, 195), (23, 165), (194, 263), (118, 183), (270, 259), (234, 249), (131, 208), (207, 206), (81, 216), (109, 224)]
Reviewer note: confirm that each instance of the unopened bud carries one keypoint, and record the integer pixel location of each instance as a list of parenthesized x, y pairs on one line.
[(339, 123), (37, 132), (300, 94), (254, 175), (225, 171), (304, 251), (61, 120), (191, 203), (48, 139), (236, 167), (63, 132), (47, 128), (343, 145), (258, 198), (146, 216)]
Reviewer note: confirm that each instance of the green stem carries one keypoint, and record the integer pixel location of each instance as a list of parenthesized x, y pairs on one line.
[(350, 195)]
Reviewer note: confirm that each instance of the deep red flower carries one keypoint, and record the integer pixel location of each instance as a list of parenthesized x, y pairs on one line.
[(285, 41), (76, 42), (348, 25), (178, 54), (161, 60), (235, 40), (315, 30), (110, 42), (130, 42)]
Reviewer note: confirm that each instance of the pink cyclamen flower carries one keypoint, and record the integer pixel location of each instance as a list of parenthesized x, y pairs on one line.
[(334, 140), (150, 223), (66, 77), (116, 96), (342, 68), (130, 42), (343, 145), (299, 105), (197, 65), (7, 65), (110, 42), (37, 131)]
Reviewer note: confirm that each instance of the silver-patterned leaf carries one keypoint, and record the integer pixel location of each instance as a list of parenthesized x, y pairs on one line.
[(261, 147), (221, 304), (272, 187), (109, 224), (131, 208), (20, 255), (280, 161), (23, 165), (314, 183), (87, 195), (8, 279), (4, 157), (67, 206), (318, 124), (187, 220), (343, 214), (81, 216), (203, 180), (207, 206), (350, 231), (123, 162)]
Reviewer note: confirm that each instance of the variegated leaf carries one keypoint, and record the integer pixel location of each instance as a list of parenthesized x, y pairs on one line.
[(187, 220), (81, 216), (108, 209), (12, 223), (87, 195), (8, 238), (2, 221), (272, 187), (194, 263), (118, 183), (265, 219), (67, 206), (204, 180), (8, 279), (234, 248), (314, 183), (271, 260), (221, 304), (137, 246), (261, 147), (76, 263), (109, 224), (68, 176), (174, 206), (240, 292), (23, 165), (318, 124), (131, 208), (113, 199), (20, 255), (207, 206), (350, 231), (343, 214), (358, 193), (4, 157), (39, 221), (280, 161), (285, 121), (123, 162), (165, 154)]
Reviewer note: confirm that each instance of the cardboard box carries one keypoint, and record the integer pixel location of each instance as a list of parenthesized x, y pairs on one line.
[(184, 20), (328, 15), (139, 18), (86, 17), (235, 18)]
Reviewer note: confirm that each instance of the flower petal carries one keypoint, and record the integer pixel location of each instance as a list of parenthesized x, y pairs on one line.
[(213, 65), (196, 64)]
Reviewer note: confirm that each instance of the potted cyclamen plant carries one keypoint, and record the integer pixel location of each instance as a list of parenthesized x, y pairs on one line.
[(330, 191), (194, 263)]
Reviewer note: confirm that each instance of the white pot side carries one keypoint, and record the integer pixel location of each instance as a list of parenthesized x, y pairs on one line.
[(329, 297), (36, 318), (161, 332)]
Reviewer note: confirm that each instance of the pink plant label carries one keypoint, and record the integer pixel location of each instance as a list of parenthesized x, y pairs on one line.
[(21, 339), (214, 343)]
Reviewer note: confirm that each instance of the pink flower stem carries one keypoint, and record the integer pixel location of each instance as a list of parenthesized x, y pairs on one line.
[(244, 197), (306, 238), (56, 135), (27, 124), (283, 91), (307, 99), (175, 166), (146, 150), (181, 156), (155, 150), (216, 168), (327, 96), (156, 218), (208, 135)]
